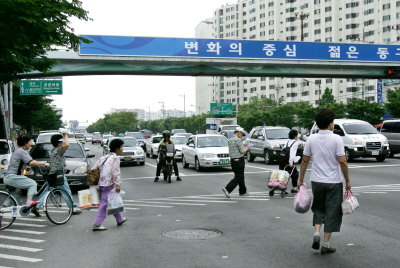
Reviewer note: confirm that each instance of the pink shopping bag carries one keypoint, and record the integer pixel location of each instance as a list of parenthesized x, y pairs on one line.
[(302, 200), (350, 203)]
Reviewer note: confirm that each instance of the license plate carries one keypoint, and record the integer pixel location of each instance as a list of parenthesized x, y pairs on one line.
[(224, 161), (126, 158), (375, 152)]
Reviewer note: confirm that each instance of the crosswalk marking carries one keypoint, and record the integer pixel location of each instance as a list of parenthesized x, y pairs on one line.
[(202, 201), (30, 219), (131, 208), (19, 258), (23, 231), (152, 206), (21, 239), (29, 225), (20, 248), (166, 203)]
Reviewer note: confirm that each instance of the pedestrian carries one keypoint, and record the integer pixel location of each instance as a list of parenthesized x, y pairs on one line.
[(110, 175), (289, 165), (236, 153), (329, 165)]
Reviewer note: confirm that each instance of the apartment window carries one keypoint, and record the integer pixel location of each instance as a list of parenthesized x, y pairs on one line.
[(228, 92), (329, 81), (272, 96), (290, 1), (398, 4), (262, 15), (291, 38), (253, 80), (370, 98), (318, 31), (263, 79), (291, 28), (290, 19), (253, 19), (271, 31), (244, 30), (370, 88), (244, 4), (351, 15), (386, 29), (291, 95), (317, 2), (352, 89), (271, 22), (252, 10), (271, 13), (317, 11), (252, 28), (369, 11), (328, 19), (291, 85), (305, 25), (244, 13), (386, 40), (368, 1), (244, 22), (328, 9), (369, 22), (245, 98), (244, 81), (271, 86), (352, 4), (262, 33), (305, 93), (253, 89), (317, 92), (328, 39), (352, 37), (221, 12), (221, 94), (245, 90), (290, 10), (262, 24), (262, 6), (263, 88), (271, 4), (305, 83), (318, 21), (386, 6), (386, 18), (369, 33)]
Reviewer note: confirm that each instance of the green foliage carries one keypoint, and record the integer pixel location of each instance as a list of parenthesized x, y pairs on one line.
[(119, 122), (29, 28), (327, 98), (371, 112), (34, 113), (393, 102)]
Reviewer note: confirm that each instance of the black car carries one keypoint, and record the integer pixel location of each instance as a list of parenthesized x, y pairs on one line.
[(77, 165)]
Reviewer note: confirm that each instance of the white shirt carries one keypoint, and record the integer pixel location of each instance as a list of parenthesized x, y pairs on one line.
[(293, 150), (324, 148)]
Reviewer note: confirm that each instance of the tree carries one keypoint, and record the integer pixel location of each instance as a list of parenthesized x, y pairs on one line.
[(29, 28), (119, 122), (393, 102), (371, 112), (327, 98)]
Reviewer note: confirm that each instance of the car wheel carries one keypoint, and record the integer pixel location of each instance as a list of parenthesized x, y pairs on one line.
[(267, 159), (152, 154), (197, 165), (250, 157), (380, 158), (347, 155), (184, 164), (142, 163), (147, 154), (391, 154)]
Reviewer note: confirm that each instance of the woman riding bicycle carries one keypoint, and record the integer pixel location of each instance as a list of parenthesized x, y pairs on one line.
[(19, 161), (162, 150)]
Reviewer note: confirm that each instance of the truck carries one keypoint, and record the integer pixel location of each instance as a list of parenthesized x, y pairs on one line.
[(216, 125)]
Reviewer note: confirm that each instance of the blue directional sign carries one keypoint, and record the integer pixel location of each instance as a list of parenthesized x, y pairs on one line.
[(251, 49), (379, 91)]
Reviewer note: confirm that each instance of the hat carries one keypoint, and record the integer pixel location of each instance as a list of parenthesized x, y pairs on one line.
[(239, 129)]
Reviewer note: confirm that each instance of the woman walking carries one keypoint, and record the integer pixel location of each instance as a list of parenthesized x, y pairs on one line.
[(110, 175)]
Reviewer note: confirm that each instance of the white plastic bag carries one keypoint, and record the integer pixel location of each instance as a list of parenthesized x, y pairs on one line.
[(350, 203), (95, 196), (85, 201), (115, 203), (302, 200)]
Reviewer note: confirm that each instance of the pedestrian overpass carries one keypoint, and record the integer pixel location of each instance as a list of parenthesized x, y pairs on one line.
[(119, 55)]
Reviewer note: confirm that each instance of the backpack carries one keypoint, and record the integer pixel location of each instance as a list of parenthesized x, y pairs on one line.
[(284, 154)]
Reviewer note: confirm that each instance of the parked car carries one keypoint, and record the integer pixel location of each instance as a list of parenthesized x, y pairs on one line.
[(186, 135), (268, 141), (179, 142), (132, 154), (177, 131), (206, 151), (152, 146), (77, 165), (105, 138), (45, 137), (96, 138), (80, 137), (6, 150), (391, 130), (139, 137), (360, 139)]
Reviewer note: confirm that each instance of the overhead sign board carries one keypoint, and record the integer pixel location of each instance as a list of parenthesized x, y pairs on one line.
[(221, 108), (251, 49), (40, 87)]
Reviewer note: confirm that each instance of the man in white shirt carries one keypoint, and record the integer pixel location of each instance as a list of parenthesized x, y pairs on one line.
[(329, 165)]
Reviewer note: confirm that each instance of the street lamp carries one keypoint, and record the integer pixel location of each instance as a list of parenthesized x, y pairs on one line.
[(301, 15), (162, 108), (184, 103), (196, 107)]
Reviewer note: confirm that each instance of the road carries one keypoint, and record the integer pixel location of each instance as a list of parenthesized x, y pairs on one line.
[(257, 231)]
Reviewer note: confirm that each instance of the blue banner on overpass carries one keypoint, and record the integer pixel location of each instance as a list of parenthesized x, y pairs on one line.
[(245, 49)]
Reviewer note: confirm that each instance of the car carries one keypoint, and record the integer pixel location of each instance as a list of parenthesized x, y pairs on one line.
[(45, 137), (146, 133), (360, 139), (88, 138), (139, 137), (132, 154), (206, 151), (6, 150), (80, 137), (96, 138), (391, 130), (177, 131), (186, 135), (76, 160), (268, 141), (179, 142), (152, 146), (105, 138)]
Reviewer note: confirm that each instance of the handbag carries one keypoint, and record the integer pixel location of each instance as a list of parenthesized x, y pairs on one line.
[(115, 203), (302, 200), (94, 175), (350, 203)]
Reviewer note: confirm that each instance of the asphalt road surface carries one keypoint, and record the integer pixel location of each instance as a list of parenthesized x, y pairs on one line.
[(255, 231)]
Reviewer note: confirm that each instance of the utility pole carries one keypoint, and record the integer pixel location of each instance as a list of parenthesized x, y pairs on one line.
[(162, 109), (302, 16), (184, 103)]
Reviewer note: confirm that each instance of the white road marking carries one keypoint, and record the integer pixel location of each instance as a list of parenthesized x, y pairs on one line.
[(20, 248), (268, 169), (23, 231), (153, 206), (21, 239), (29, 225), (205, 201), (222, 198), (166, 203), (147, 164), (375, 166), (19, 258), (194, 175), (29, 219), (131, 208)]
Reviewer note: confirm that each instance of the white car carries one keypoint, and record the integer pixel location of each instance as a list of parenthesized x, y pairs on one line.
[(45, 137), (206, 151), (132, 153), (179, 142), (6, 150), (105, 139), (152, 146)]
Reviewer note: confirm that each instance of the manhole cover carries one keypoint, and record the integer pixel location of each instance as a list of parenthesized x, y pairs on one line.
[(193, 234)]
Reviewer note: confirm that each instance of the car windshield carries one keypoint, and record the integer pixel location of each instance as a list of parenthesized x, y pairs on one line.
[(130, 142), (359, 129), (135, 135), (71, 135), (89, 136), (179, 131), (179, 140), (44, 138), (212, 141), (79, 136), (107, 136), (4, 148), (157, 139), (229, 127), (43, 151), (275, 134), (97, 136)]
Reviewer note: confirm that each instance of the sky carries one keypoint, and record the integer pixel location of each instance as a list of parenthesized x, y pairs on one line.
[(88, 98)]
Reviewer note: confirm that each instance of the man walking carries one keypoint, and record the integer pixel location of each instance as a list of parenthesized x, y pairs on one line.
[(329, 165), (236, 153)]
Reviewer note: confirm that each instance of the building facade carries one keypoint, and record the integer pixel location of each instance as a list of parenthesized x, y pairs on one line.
[(347, 21)]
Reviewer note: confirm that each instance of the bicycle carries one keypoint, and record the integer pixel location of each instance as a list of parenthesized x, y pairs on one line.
[(58, 204)]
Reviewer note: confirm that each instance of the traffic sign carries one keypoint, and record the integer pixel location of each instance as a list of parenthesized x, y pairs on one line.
[(40, 87), (221, 108)]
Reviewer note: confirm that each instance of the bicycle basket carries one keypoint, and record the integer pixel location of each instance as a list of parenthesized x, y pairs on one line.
[(54, 179)]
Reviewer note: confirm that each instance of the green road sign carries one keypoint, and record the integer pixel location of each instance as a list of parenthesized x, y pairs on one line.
[(40, 87), (221, 108)]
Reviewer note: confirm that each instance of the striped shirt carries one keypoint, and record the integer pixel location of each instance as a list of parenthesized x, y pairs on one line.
[(235, 146)]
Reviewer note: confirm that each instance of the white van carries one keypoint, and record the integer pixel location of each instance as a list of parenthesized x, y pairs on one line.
[(360, 139)]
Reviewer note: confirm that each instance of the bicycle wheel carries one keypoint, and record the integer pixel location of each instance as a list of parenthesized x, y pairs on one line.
[(6, 201), (58, 206)]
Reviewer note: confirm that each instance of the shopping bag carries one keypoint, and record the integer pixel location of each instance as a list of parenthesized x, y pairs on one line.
[(115, 203), (302, 200), (95, 196), (279, 178), (350, 203), (85, 201)]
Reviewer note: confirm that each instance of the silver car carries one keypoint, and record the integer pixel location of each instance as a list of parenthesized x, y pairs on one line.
[(132, 154), (179, 142), (152, 146)]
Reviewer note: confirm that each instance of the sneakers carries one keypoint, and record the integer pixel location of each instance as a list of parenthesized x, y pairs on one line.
[(35, 212), (76, 211), (156, 179), (245, 194), (226, 192), (316, 242), (98, 228), (325, 250), (178, 178), (33, 204), (122, 222), (294, 191)]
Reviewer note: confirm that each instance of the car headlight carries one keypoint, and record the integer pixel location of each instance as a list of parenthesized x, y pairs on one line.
[(356, 142), (386, 142), (80, 170), (207, 155), (139, 152), (4, 162), (276, 146)]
